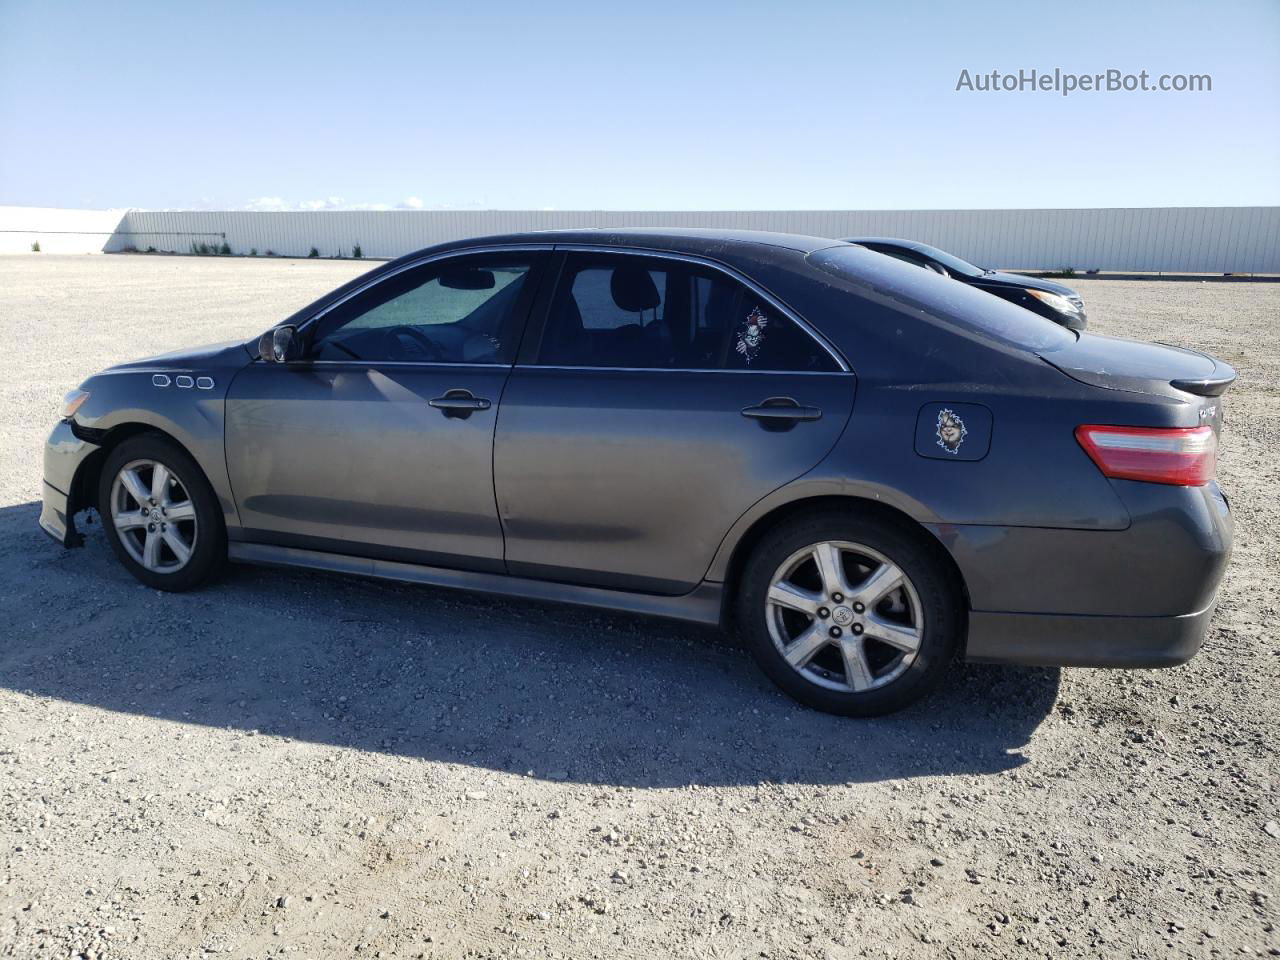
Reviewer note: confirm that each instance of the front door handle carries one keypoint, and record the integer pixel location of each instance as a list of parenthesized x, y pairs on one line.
[(781, 413), (459, 403)]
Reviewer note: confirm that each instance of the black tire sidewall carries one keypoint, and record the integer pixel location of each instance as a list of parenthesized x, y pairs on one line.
[(940, 599), (211, 542)]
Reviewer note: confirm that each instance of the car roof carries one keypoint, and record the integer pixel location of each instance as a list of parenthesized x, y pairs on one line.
[(691, 240)]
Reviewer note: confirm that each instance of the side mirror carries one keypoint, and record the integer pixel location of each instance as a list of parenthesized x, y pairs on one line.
[(280, 345)]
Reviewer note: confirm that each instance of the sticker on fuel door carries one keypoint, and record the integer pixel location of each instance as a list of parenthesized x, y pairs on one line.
[(953, 431)]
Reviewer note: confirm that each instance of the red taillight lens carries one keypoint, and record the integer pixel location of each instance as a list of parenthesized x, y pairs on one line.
[(1183, 456)]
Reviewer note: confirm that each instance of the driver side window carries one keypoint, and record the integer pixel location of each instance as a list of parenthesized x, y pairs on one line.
[(460, 310)]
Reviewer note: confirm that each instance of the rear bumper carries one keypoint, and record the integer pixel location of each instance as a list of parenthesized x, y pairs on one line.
[(1138, 597), (1063, 640)]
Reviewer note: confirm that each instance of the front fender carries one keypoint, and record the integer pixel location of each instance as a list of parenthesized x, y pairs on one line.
[(166, 398)]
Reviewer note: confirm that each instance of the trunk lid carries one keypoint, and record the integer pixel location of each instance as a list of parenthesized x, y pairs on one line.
[(1114, 363)]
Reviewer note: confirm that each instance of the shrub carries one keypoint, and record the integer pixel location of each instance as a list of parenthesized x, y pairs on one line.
[(151, 249), (202, 249), (313, 254), (271, 253), (357, 252), (253, 251), (35, 247)]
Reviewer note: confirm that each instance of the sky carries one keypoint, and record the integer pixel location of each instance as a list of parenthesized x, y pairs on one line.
[(647, 105)]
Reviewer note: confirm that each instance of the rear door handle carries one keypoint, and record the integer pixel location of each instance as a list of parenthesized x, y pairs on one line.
[(459, 403), (781, 413)]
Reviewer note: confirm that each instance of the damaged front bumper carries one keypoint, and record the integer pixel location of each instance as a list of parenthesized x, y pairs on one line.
[(64, 455)]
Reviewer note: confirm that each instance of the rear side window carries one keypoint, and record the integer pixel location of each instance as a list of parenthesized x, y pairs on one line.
[(948, 299), (640, 312)]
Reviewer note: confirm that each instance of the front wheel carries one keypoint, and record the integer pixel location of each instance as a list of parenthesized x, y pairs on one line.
[(160, 514), (849, 614)]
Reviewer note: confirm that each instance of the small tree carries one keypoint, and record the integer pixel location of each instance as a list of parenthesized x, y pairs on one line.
[(313, 254), (35, 247), (253, 251), (356, 252), (225, 249)]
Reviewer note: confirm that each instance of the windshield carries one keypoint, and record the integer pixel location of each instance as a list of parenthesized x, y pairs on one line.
[(957, 303)]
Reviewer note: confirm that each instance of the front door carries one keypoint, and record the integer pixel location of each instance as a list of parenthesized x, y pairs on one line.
[(380, 442), (661, 401)]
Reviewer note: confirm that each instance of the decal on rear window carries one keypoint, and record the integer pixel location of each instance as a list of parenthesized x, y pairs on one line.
[(951, 430), (751, 334)]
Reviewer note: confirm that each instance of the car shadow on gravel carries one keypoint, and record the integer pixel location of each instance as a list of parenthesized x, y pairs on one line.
[(557, 692)]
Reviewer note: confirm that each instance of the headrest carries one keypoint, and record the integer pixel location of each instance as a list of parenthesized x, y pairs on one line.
[(633, 289)]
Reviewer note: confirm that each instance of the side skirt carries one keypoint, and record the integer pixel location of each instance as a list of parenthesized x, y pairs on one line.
[(701, 605)]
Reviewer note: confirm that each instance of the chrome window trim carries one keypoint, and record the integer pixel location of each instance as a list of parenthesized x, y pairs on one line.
[(442, 364), (758, 373), (732, 274), (711, 264)]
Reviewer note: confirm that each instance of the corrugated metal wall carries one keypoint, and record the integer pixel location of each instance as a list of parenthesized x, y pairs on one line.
[(1173, 239)]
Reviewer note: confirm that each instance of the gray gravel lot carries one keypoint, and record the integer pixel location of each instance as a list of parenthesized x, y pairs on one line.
[(295, 763)]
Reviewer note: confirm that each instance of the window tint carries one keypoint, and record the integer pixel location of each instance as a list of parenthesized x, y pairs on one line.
[(454, 311), (959, 303), (639, 312)]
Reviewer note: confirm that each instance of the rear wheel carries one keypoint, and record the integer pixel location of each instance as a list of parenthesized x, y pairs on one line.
[(160, 514), (849, 614)]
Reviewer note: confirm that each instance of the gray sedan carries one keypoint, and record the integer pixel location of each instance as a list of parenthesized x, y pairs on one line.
[(865, 469)]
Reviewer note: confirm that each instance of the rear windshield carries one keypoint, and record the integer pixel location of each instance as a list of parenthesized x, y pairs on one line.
[(949, 300)]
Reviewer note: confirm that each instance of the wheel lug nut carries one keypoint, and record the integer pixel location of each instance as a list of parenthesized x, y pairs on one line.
[(823, 612), (857, 628), (835, 632), (151, 527), (838, 597), (858, 608)]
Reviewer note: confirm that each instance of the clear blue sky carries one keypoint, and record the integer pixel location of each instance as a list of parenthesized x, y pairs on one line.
[(645, 105)]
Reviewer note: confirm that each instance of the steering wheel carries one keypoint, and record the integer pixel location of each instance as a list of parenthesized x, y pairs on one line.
[(433, 350)]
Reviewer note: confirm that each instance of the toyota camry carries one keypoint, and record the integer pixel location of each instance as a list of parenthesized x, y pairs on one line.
[(864, 469)]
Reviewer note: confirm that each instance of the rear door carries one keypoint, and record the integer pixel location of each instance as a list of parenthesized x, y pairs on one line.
[(380, 442), (658, 400)]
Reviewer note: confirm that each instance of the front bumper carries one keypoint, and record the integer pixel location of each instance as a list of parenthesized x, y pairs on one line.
[(64, 455)]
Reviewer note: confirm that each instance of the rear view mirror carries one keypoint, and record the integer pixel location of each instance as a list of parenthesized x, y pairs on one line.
[(467, 279), (280, 345)]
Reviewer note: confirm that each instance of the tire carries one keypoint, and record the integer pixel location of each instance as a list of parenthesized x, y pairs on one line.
[(832, 675), (186, 513)]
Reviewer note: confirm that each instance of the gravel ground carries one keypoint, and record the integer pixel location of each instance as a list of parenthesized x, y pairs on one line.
[(293, 763)]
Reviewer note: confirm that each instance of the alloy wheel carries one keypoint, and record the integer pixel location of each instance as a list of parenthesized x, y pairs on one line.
[(154, 516), (844, 616)]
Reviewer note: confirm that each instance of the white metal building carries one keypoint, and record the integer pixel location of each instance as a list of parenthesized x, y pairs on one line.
[(1161, 239)]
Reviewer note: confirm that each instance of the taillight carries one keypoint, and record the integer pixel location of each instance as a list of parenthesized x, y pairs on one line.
[(1183, 456)]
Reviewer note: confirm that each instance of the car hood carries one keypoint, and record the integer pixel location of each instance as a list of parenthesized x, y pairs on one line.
[(1034, 283), (1118, 364), (235, 352)]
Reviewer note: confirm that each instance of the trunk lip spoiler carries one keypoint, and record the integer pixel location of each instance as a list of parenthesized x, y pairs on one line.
[(1214, 385)]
